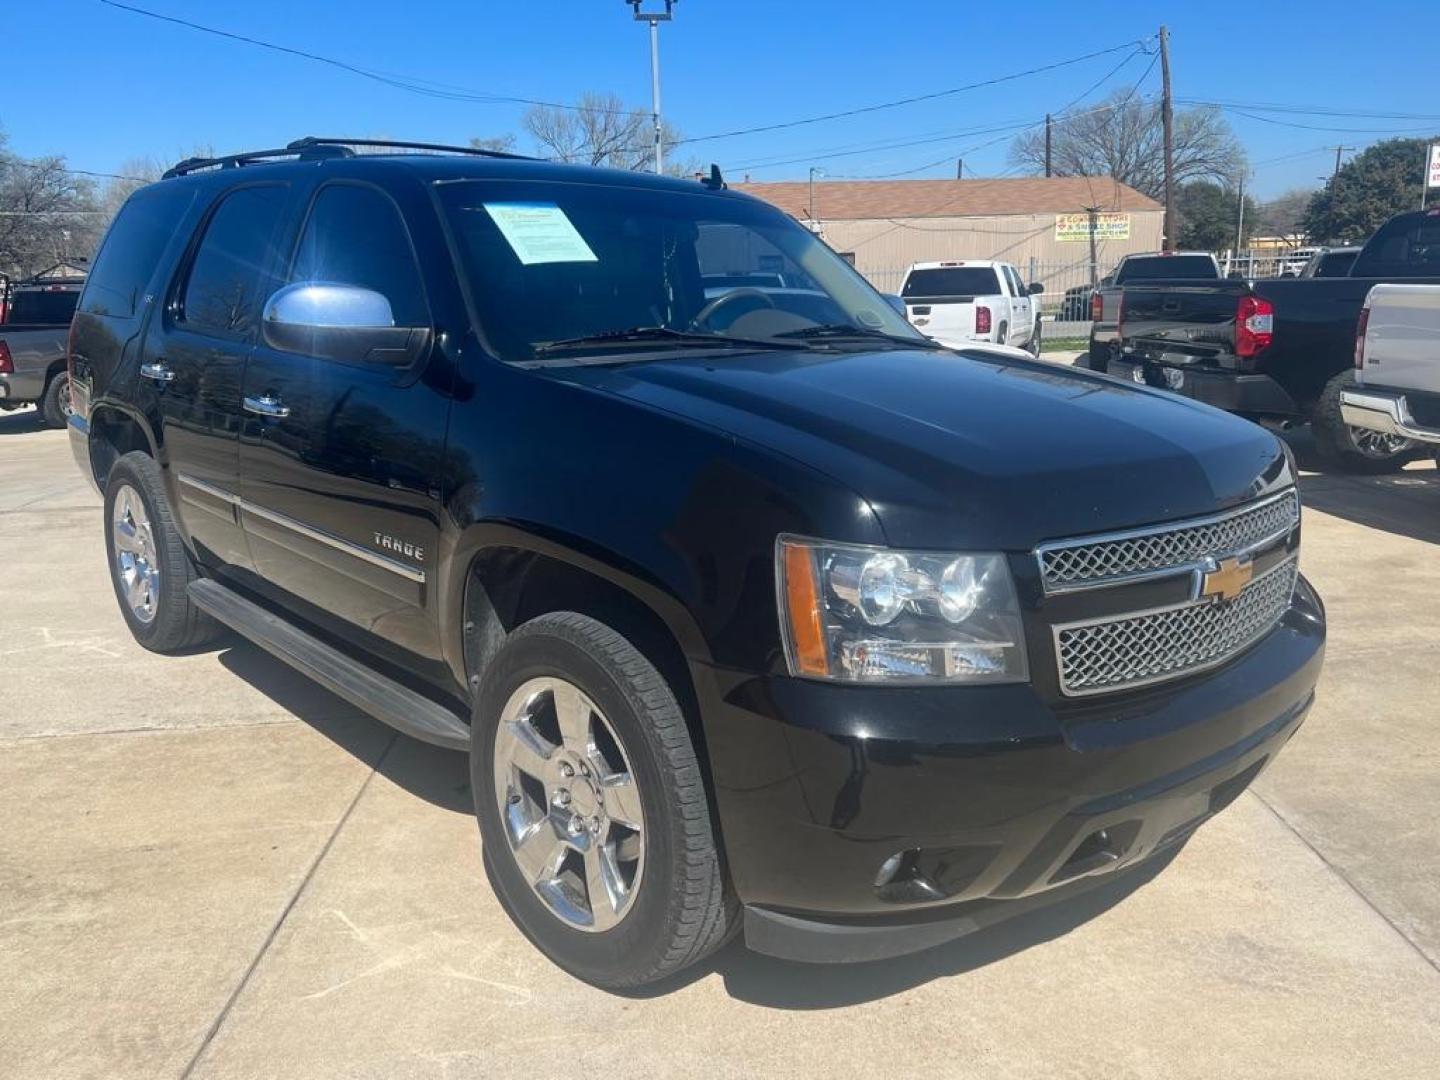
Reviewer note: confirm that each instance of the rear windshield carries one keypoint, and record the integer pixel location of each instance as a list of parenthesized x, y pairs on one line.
[(1407, 247), (1160, 267), (951, 282), (47, 307)]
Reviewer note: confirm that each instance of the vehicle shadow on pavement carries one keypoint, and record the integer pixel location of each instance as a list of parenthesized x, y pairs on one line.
[(783, 984), (440, 777), (21, 422)]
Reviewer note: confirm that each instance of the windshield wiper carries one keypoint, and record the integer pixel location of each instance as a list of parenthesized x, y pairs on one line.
[(837, 331), (662, 335)]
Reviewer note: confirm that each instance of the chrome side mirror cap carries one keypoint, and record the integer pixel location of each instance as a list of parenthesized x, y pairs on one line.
[(348, 323), (328, 304)]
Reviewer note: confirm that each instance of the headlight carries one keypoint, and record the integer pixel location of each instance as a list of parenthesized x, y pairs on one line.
[(875, 615)]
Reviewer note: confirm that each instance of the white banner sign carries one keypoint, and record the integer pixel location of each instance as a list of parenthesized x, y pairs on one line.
[(1072, 228), (1432, 167)]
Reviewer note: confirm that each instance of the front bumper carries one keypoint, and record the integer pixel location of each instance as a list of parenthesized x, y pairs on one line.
[(1236, 392), (995, 800), (1386, 411)]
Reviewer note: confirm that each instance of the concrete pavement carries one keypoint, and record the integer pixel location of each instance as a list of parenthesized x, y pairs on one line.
[(211, 868)]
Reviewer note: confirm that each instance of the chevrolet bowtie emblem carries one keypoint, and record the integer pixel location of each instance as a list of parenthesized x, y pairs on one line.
[(1227, 580)]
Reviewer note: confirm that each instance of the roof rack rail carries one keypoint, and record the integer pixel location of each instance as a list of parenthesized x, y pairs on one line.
[(315, 148), (312, 141), (251, 157)]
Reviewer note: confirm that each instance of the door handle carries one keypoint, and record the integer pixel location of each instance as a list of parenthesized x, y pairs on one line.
[(269, 405), (157, 371)]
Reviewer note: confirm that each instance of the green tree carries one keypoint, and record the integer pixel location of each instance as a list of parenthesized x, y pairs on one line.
[(1368, 190), (1209, 215)]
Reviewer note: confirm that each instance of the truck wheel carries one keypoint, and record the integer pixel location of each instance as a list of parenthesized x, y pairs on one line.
[(593, 814), (149, 565), (1001, 334), (55, 401), (1033, 345), (1357, 450)]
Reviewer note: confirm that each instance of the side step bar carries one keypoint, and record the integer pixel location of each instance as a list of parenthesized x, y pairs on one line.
[(383, 698)]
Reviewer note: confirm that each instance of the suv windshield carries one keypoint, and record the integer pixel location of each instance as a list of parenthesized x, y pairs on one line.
[(1166, 267), (556, 266), (951, 283)]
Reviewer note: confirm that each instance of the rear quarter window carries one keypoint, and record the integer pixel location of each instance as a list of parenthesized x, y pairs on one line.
[(128, 256)]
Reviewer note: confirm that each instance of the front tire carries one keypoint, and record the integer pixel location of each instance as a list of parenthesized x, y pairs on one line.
[(594, 820), (1355, 450), (149, 566), (1033, 345)]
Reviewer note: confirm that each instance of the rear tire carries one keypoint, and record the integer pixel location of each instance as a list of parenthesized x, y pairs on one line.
[(1354, 450), (1033, 345), (55, 401), (543, 789), (1002, 334), (149, 566)]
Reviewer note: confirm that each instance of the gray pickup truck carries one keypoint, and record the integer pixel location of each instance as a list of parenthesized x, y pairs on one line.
[(32, 347), (1397, 366)]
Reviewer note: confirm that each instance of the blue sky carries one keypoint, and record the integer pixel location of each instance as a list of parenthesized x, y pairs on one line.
[(101, 85)]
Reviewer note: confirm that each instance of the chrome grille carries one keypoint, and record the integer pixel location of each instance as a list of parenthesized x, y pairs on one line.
[(1079, 564), (1150, 646)]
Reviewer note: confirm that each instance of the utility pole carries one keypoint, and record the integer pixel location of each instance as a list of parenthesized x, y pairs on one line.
[(655, 18), (1047, 144), (1338, 151), (1240, 227), (960, 168), (1167, 118), (1092, 212), (813, 172)]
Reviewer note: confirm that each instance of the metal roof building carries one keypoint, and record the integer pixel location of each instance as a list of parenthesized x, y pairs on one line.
[(1041, 224)]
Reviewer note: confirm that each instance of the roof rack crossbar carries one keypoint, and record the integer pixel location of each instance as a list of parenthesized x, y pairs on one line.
[(316, 140)]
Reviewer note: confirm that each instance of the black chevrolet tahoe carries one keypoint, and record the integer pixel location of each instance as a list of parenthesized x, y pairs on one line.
[(755, 610)]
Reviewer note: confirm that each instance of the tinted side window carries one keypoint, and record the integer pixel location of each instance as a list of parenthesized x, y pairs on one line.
[(355, 237), (134, 244), (1406, 247), (221, 291)]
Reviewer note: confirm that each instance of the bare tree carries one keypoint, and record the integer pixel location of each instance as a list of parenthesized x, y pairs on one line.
[(47, 214), (600, 130), (1125, 139), (504, 144), (1284, 215)]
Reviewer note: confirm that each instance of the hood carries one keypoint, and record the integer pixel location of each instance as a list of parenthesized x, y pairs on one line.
[(969, 450)]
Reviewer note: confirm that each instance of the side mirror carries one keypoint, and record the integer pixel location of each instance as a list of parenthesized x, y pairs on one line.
[(895, 302), (1036, 288), (331, 321)]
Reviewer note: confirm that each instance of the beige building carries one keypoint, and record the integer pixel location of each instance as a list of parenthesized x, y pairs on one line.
[(1040, 224)]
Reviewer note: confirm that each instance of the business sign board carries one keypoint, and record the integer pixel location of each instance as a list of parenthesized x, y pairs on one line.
[(1432, 167), (1075, 228)]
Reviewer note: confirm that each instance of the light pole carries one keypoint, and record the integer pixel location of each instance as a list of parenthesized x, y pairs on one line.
[(655, 18), (813, 173)]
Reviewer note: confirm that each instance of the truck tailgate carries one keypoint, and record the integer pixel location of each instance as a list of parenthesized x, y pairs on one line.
[(1181, 322)]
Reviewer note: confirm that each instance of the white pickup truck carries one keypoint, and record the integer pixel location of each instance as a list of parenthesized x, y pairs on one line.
[(1397, 365), (974, 300)]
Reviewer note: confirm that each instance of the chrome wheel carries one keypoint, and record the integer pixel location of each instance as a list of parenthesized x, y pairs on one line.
[(67, 403), (1378, 444), (569, 804), (137, 565)]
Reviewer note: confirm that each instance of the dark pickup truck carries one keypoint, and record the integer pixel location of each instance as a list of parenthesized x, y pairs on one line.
[(32, 347), (757, 611), (1278, 350)]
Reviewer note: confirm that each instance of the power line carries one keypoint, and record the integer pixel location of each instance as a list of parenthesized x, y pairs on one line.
[(402, 82), (1310, 110), (20, 164), (914, 99)]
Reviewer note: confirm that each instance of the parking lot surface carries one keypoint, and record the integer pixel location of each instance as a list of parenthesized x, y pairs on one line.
[(212, 868)]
